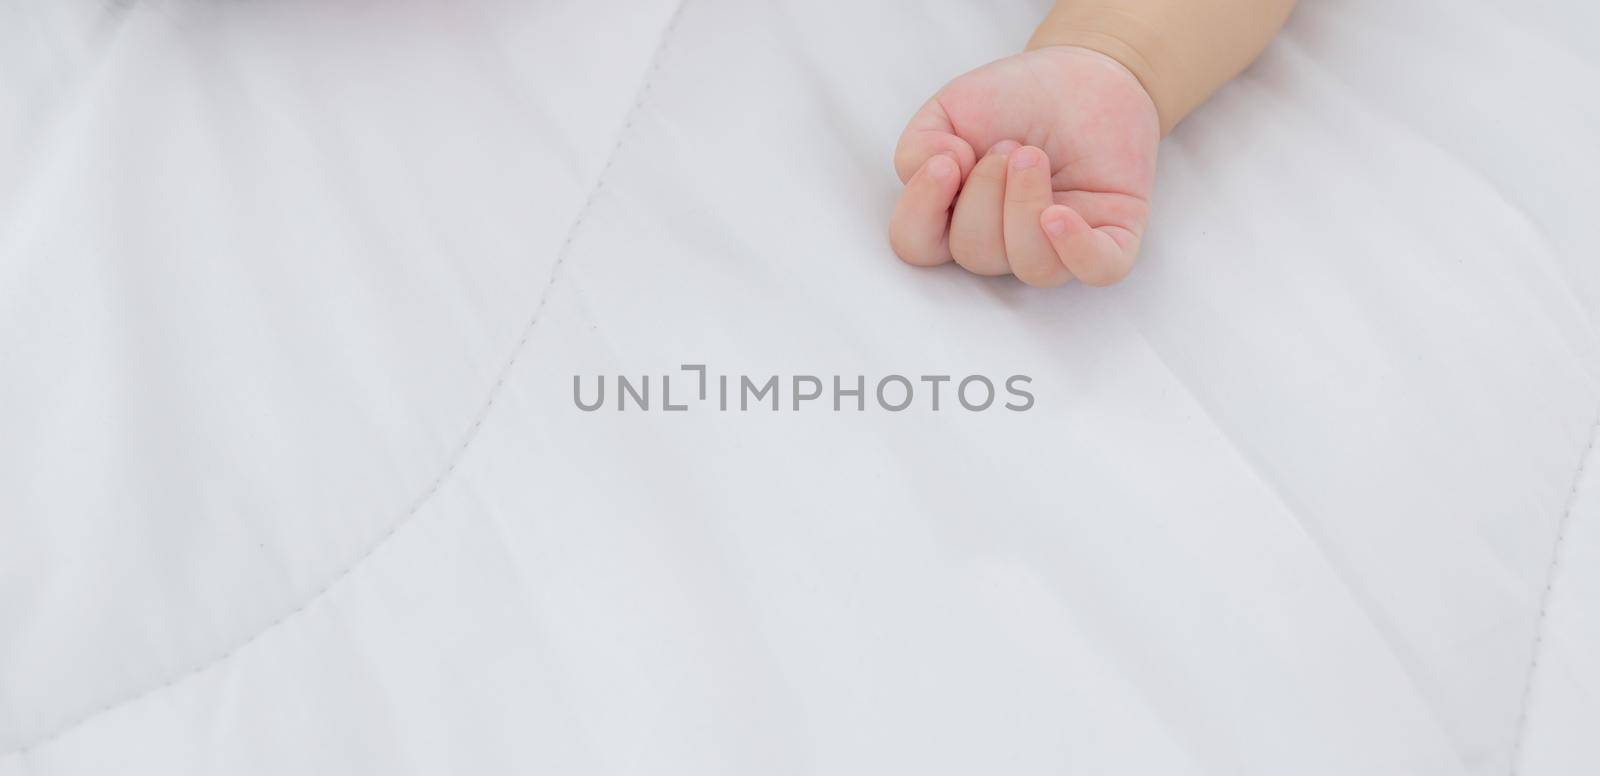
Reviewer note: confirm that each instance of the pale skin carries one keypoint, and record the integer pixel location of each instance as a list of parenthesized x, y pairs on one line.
[(1041, 165)]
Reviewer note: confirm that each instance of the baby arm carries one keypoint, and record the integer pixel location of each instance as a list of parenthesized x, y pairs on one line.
[(1041, 164)]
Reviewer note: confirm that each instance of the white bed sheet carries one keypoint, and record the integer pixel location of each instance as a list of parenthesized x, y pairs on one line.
[(292, 296)]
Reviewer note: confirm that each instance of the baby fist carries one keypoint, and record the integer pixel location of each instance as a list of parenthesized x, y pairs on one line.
[(1062, 190)]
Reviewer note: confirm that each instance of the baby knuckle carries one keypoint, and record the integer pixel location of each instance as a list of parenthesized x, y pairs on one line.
[(1101, 274), (911, 251), (1039, 277)]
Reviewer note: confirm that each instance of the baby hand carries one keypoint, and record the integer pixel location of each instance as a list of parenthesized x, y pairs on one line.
[(1062, 191)]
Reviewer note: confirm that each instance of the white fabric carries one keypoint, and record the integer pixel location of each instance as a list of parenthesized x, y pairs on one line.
[(291, 480)]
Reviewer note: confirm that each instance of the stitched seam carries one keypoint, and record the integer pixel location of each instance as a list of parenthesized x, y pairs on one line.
[(1551, 572), (456, 456)]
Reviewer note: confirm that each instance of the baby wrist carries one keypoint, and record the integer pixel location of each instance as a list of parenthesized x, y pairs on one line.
[(1114, 34)]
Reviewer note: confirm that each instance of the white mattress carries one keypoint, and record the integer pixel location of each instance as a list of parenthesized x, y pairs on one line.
[(292, 296)]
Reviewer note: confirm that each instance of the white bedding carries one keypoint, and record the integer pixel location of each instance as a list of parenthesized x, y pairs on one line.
[(292, 296)]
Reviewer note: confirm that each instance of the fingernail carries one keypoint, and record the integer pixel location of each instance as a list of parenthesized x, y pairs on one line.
[(942, 168), (1055, 223), (1004, 147), (1025, 158)]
